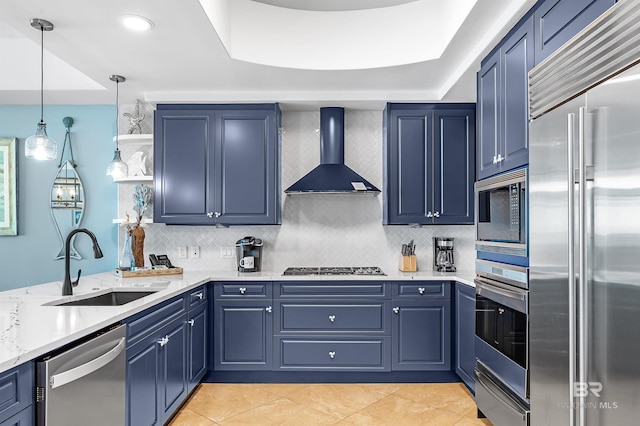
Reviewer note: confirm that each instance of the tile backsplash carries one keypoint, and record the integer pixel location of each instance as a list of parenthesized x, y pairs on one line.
[(319, 229)]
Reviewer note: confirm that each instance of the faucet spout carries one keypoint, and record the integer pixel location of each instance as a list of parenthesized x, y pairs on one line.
[(67, 286)]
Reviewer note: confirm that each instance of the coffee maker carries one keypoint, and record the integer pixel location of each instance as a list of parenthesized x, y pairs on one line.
[(443, 255), (249, 254)]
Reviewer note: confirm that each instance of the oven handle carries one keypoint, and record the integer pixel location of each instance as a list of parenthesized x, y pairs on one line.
[(493, 389), (512, 298)]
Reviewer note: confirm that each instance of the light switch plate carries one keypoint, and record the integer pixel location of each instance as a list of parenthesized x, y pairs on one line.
[(194, 251), (182, 252), (226, 253)]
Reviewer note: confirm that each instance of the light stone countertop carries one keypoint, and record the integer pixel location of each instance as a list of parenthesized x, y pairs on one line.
[(29, 330)]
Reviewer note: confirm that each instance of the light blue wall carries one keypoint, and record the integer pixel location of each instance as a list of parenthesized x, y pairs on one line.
[(28, 258)]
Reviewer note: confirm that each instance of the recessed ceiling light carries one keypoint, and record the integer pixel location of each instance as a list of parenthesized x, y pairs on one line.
[(135, 23)]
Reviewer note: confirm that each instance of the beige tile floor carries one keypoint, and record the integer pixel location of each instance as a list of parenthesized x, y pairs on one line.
[(445, 404)]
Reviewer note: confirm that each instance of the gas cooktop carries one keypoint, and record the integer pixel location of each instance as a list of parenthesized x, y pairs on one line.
[(337, 270)]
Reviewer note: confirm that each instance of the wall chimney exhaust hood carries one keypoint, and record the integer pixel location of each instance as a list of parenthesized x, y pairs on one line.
[(332, 176)]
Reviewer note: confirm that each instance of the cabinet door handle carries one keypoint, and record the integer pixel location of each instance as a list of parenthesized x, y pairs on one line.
[(429, 214), (436, 214), (269, 309), (421, 290), (209, 214), (396, 310), (191, 322), (332, 354), (243, 290), (332, 318), (200, 296)]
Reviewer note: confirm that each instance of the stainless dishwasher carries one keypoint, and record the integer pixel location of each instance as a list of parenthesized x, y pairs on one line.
[(84, 384)]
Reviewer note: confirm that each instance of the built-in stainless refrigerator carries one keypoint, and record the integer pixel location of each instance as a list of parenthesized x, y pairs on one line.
[(584, 199)]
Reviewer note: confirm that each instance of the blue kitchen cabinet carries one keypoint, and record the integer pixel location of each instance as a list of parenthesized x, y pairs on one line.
[(502, 96), (243, 335), (166, 357), (428, 163), (198, 344), (557, 21), (465, 331), (217, 164), (23, 418), (16, 395), (421, 326)]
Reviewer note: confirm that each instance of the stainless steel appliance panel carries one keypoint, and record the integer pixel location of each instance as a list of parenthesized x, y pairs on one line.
[(550, 315), (84, 385), (497, 403)]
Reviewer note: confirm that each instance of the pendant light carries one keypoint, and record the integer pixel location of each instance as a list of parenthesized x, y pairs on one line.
[(40, 146), (117, 168)]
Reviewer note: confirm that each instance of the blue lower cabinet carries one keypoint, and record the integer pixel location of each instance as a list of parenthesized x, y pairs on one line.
[(333, 353), (465, 333), (157, 374), (23, 418), (173, 364), (422, 335), (16, 394), (243, 336), (198, 339)]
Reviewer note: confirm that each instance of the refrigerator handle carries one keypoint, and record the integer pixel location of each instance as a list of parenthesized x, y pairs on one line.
[(582, 264), (570, 257)]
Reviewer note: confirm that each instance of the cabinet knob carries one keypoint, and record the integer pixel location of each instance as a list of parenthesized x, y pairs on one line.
[(332, 318), (200, 296), (429, 214), (243, 290), (163, 341), (332, 354), (209, 214), (421, 290), (191, 322), (500, 311), (217, 214), (495, 160), (436, 214), (396, 310), (269, 309), (500, 158)]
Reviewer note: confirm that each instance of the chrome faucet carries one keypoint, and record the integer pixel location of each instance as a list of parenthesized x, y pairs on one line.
[(67, 286)]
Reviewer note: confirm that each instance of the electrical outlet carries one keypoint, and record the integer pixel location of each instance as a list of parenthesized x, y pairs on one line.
[(226, 253), (182, 252), (194, 251)]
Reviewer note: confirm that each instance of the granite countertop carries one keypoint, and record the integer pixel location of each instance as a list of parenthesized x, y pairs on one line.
[(29, 330)]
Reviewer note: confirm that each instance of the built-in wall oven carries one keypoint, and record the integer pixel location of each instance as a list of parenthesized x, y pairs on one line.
[(501, 217), (502, 340)]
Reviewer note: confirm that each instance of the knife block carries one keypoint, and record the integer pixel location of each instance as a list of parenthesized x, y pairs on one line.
[(408, 263)]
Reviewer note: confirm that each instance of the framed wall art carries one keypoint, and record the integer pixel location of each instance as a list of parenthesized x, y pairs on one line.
[(8, 217)]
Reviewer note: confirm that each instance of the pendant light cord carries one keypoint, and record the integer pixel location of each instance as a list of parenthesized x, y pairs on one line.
[(41, 74), (117, 113)]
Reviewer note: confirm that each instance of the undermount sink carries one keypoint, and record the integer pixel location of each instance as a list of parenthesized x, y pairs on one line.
[(113, 298)]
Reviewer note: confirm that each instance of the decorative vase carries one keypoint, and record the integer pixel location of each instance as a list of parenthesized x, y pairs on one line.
[(137, 234), (126, 259)]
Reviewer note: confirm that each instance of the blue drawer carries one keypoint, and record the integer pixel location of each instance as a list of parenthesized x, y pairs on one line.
[(251, 289), (16, 390), (422, 289), (197, 297), (139, 325), (342, 354), (342, 289), (333, 317)]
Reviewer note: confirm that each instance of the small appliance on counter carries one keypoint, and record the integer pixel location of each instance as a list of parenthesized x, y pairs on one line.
[(443, 255), (249, 254)]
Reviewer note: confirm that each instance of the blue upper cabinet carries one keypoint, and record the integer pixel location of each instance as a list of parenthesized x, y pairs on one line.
[(503, 140), (217, 164), (429, 163), (557, 21)]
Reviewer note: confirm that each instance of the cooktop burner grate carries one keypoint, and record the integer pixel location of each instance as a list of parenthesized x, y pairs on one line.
[(334, 270)]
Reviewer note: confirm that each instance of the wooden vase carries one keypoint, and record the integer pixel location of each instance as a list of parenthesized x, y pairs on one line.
[(137, 245)]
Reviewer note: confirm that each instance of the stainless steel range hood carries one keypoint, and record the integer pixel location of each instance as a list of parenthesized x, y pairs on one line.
[(332, 176)]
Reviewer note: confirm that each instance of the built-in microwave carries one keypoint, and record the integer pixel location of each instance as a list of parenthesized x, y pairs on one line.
[(501, 214)]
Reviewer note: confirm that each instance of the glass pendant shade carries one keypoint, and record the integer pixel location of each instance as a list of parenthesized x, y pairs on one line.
[(117, 168), (40, 146)]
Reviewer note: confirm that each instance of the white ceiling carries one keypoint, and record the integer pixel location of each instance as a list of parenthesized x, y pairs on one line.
[(182, 60)]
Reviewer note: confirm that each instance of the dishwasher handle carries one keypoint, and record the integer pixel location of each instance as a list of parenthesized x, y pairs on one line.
[(87, 368)]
